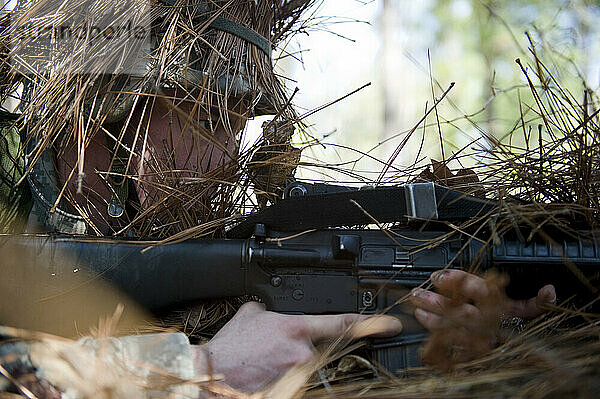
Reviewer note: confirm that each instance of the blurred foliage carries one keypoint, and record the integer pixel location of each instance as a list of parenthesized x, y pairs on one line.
[(471, 42), (492, 33)]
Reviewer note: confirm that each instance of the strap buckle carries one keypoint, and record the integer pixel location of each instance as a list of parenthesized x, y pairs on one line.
[(420, 201)]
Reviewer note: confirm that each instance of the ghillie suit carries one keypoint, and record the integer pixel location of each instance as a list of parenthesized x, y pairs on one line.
[(16, 200), (135, 129), (203, 65), (274, 162)]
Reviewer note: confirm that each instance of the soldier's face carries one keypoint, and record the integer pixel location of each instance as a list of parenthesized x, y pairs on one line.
[(176, 144), (184, 142)]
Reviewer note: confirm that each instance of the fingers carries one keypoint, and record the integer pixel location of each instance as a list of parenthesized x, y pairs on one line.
[(325, 328), (430, 301), (533, 307), (546, 296), (457, 283), (376, 326), (430, 321), (430, 307)]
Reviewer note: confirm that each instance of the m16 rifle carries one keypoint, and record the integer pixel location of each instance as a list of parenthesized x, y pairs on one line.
[(325, 270)]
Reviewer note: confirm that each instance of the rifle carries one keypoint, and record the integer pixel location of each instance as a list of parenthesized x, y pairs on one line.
[(324, 271)]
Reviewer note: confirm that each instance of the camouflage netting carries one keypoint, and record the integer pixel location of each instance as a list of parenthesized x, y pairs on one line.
[(142, 138), (204, 66), (15, 201), (550, 181)]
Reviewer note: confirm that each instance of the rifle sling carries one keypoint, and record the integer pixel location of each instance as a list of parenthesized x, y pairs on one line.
[(384, 204)]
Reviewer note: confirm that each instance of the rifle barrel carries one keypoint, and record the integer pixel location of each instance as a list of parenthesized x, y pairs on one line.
[(159, 277)]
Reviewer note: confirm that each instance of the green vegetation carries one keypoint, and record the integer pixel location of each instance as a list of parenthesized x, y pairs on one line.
[(471, 42)]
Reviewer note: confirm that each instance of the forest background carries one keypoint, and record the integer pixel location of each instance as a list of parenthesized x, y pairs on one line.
[(410, 52)]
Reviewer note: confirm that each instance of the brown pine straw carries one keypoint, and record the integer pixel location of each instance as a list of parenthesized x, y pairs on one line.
[(57, 116), (188, 203), (550, 359), (546, 361), (552, 180), (545, 172)]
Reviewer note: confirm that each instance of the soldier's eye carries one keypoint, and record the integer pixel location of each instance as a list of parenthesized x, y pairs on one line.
[(206, 125)]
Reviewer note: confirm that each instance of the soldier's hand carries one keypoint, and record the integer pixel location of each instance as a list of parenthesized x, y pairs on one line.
[(464, 314), (257, 346)]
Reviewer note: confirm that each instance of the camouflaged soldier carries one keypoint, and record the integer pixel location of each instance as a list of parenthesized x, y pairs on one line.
[(141, 136), (116, 134)]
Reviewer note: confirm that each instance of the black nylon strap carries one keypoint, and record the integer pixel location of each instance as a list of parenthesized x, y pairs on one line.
[(385, 204), (226, 25), (454, 205), (239, 30)]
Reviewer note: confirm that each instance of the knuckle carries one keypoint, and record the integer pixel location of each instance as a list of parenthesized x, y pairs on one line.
[(470, 312), (294, 327), (476, 286)]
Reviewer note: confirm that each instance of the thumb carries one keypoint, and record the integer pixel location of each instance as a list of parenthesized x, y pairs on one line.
[(325, 328), (546, 296), (376, 326), (534, 307)]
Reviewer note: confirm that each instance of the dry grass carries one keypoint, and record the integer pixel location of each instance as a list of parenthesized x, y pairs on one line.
[(548, 360), (555, 357), (545, 176), (548, 183), (549, 180), (71, 105)]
